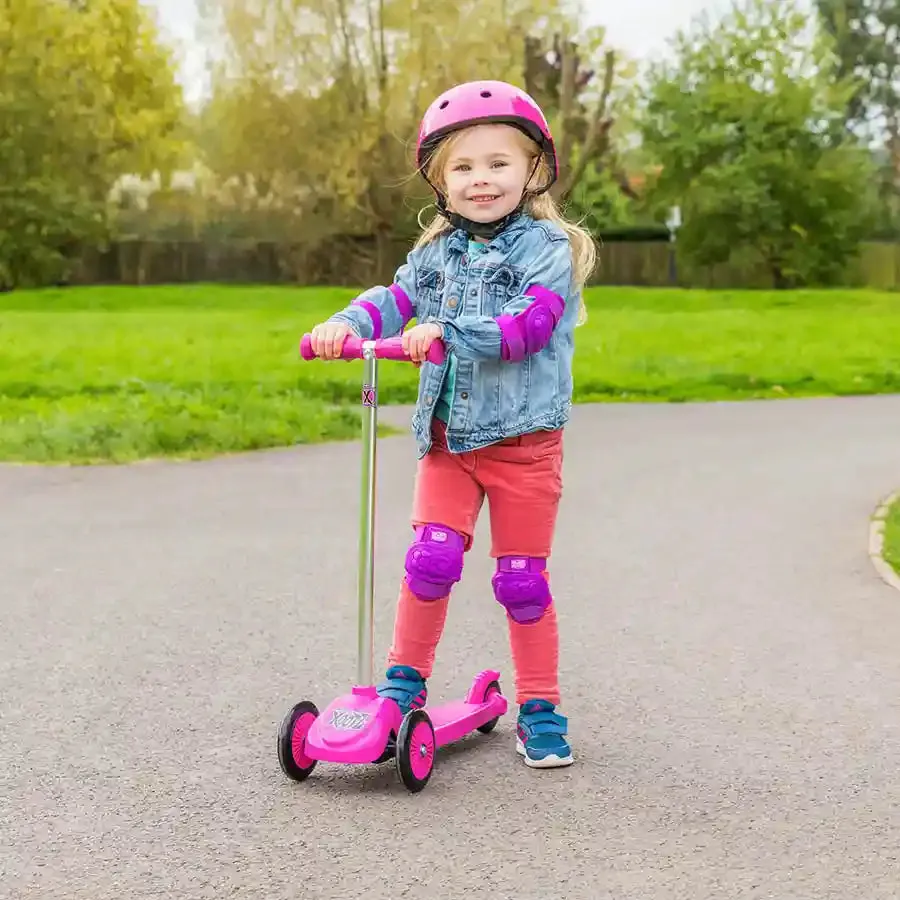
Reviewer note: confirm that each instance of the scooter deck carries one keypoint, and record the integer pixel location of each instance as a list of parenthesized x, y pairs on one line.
[(358, 727), (457, 718)]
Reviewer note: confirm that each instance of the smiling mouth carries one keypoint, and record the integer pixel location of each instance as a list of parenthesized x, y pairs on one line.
[(484, 198)]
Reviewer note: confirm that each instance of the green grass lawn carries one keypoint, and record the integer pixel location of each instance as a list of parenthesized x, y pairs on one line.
[(891, 548), (99, 374)]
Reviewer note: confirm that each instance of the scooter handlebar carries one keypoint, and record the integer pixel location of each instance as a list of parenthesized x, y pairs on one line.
[(385, 348)]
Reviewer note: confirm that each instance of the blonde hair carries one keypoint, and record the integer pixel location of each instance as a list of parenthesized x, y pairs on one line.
[(538, 206)]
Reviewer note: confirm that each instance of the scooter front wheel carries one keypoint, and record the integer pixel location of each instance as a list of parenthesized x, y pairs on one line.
[(292, 755), (416, 747)]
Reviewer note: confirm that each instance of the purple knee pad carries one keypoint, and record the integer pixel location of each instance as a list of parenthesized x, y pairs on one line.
[(520, 586), (434, 561)]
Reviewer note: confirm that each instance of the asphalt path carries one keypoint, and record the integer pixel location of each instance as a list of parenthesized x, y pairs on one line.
[(730, 667)]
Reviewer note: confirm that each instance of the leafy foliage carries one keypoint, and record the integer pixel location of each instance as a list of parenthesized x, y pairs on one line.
[(747, 125), (867, 42), (320, 99), (87, 93)]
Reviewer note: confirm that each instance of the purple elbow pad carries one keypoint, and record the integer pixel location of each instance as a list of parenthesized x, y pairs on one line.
[(530, 330)]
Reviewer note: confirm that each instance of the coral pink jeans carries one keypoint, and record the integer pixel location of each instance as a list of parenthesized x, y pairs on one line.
[(521, 478)]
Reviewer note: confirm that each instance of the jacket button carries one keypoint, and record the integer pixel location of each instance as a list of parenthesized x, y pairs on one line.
[(452, 302), (464, 395)]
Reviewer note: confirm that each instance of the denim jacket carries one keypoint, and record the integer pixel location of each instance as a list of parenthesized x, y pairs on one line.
[(494, 398)]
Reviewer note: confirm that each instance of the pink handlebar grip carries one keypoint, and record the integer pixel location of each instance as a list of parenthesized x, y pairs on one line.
[(385, 348)]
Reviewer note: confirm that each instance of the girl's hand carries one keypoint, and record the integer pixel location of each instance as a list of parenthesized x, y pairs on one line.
[(327, 339), (419, 338)]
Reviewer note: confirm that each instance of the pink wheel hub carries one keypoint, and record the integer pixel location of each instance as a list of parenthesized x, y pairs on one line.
[(421, 750), (298, 740)]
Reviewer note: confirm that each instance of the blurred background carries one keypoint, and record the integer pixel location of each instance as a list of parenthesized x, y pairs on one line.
[(705, 144)]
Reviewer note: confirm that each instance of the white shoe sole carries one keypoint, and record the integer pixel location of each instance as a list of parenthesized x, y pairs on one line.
[(552, 761)]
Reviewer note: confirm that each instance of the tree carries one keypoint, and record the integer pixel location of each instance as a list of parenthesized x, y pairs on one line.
[(579, 100), (867, 43), (334, 90), (586, 89), (747, 125), (87, 94)]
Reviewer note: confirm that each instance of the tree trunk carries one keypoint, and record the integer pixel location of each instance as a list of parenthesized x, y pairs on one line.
[(385, 264), (595, 145), (780, 281)]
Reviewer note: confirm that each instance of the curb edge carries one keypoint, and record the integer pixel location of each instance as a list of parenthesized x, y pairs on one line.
[(876, 541)]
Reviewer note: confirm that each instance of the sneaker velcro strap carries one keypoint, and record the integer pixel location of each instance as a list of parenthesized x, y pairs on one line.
[(400, 688), (544, 722)]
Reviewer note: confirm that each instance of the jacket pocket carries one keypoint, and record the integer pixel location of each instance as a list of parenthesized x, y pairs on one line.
[(501, 285), (429, 288)]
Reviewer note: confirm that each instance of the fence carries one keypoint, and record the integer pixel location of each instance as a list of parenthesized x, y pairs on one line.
[(653, 264), (351, 261)]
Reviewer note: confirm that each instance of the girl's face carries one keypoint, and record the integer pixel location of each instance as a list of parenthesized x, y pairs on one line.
[(486, 172)]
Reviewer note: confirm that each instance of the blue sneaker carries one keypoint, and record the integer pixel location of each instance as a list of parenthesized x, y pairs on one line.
[(404, 685), (540, 736)]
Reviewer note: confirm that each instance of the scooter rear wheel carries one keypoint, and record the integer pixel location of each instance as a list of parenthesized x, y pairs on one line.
[(295, 763), (416, 746), (490, 690)]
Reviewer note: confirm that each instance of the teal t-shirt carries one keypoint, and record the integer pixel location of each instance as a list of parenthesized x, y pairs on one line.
[(442, 407)]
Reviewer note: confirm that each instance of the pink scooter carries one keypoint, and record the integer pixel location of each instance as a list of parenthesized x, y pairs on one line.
[(361, 727)]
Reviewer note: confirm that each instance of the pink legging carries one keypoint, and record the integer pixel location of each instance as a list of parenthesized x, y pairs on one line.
[(522, 480)]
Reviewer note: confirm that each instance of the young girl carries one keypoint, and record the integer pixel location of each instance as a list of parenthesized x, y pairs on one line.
[(497, 276)]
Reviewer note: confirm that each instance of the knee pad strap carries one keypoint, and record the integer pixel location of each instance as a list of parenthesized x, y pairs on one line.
[(521, 587), (434, 561)]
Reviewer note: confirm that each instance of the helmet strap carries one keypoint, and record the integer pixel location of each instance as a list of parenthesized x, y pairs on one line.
[(487, 230)]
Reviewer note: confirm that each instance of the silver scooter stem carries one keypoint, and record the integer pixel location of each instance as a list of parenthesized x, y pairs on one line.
[(366, 578)]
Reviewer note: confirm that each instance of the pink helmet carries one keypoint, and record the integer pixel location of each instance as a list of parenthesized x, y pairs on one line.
[(481, 102)]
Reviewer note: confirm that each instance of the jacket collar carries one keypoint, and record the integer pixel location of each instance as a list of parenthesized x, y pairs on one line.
[(458, 240)]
